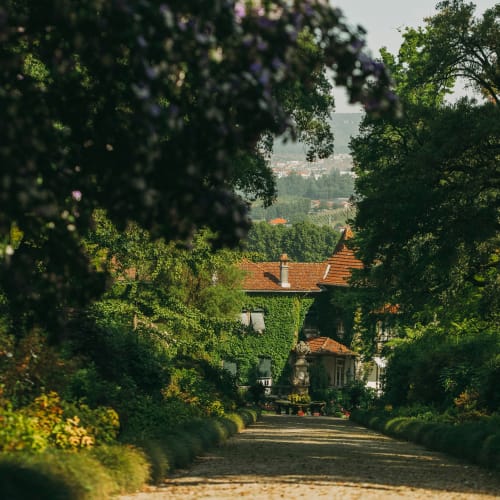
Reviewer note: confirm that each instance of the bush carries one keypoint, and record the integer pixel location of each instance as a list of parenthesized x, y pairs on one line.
[(54, 475), (456, 366), (158, 458), (49, 422), (478, 442), (178, 449), (127, 465)]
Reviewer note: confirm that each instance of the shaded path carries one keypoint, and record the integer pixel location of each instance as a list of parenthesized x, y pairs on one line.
[(320, 457)]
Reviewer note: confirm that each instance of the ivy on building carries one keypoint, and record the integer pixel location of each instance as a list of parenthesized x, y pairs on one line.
[(284, 316)]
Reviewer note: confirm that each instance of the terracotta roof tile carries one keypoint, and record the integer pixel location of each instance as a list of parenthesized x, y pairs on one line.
[(326, 345), (277, 221), (341, 263), (265, 276)]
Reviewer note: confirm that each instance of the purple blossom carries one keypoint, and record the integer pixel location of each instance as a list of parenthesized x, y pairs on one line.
[(240, 10), (262, 45), (277, 63), (76, 195), (256, 67), (265, 77)]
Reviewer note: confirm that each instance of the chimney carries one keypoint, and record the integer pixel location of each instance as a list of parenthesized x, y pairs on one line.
[(284, 271)]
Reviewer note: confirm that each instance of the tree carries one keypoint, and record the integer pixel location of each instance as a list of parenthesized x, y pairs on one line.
[(428, 184), (185, 297), (460, 45), (142, 109), (302, 242)]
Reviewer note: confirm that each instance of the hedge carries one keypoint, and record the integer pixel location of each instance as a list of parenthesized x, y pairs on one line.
[(478, 442), (110, 470)]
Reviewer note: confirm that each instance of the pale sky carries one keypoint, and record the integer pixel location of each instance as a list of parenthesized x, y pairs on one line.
[(382, 19)]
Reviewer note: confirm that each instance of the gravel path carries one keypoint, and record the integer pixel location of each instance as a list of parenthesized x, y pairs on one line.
[(289, 457)]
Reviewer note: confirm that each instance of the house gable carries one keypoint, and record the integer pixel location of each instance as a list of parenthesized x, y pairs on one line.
[(340, 265)]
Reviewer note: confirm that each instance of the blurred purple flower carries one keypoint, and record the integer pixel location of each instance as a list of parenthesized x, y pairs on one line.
[(240, 10), (76, 195), (256, 67)]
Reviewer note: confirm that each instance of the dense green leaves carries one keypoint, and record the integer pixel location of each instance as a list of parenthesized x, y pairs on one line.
[(326, 187), (428, 198), (437, 365), (429, 184), (302, 242), (142, 109)]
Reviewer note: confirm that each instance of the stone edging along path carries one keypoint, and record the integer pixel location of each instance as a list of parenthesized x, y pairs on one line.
[(290, 457)]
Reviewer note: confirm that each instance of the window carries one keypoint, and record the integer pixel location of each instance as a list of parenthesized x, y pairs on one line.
[(253, 319), (264, 367), (264, 373), (340, 328), (230, 366), (257, 321), (245, 318), (339, 373)]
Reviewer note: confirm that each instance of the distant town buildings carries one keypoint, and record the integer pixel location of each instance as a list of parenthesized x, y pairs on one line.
[(283, 166)]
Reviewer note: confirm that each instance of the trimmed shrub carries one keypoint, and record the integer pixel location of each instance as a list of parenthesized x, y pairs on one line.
[(128, 466), (477, 441), (489, 454), (111, 469), (54, 475), (158, 459), (180, 447), (237, 420)]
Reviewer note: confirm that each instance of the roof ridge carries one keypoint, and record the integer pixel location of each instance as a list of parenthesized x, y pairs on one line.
[(323, 345)]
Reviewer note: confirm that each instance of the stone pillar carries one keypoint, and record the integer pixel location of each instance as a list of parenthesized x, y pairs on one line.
[(300, 377)]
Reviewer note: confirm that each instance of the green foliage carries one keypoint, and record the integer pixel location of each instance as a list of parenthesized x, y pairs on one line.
[(194, 390), (54, 475), (319, 381), (20, 432), (427, 214), (179, 447), (437, 364), (327, 187), (292, 209), (284, 316), (127, 466), (475, 441), (302, 242), (113, 469), (153, 339), (427, 185), (50, 422), (105, 107), (299, 398), (295, 194)]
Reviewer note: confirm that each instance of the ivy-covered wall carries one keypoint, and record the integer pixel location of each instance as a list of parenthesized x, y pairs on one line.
[(284, 316)]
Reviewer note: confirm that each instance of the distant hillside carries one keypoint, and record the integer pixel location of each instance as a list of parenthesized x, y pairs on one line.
[(344, 126)]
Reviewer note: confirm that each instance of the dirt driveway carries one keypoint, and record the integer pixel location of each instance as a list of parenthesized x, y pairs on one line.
[(290, 457)]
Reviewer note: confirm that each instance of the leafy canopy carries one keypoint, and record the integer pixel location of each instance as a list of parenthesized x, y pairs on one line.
[(143, 108), (428, 184)]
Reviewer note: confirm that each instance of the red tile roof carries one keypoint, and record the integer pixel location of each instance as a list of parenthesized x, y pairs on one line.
[(277, 221), (341, 263), (265, 276), (326, 345)]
